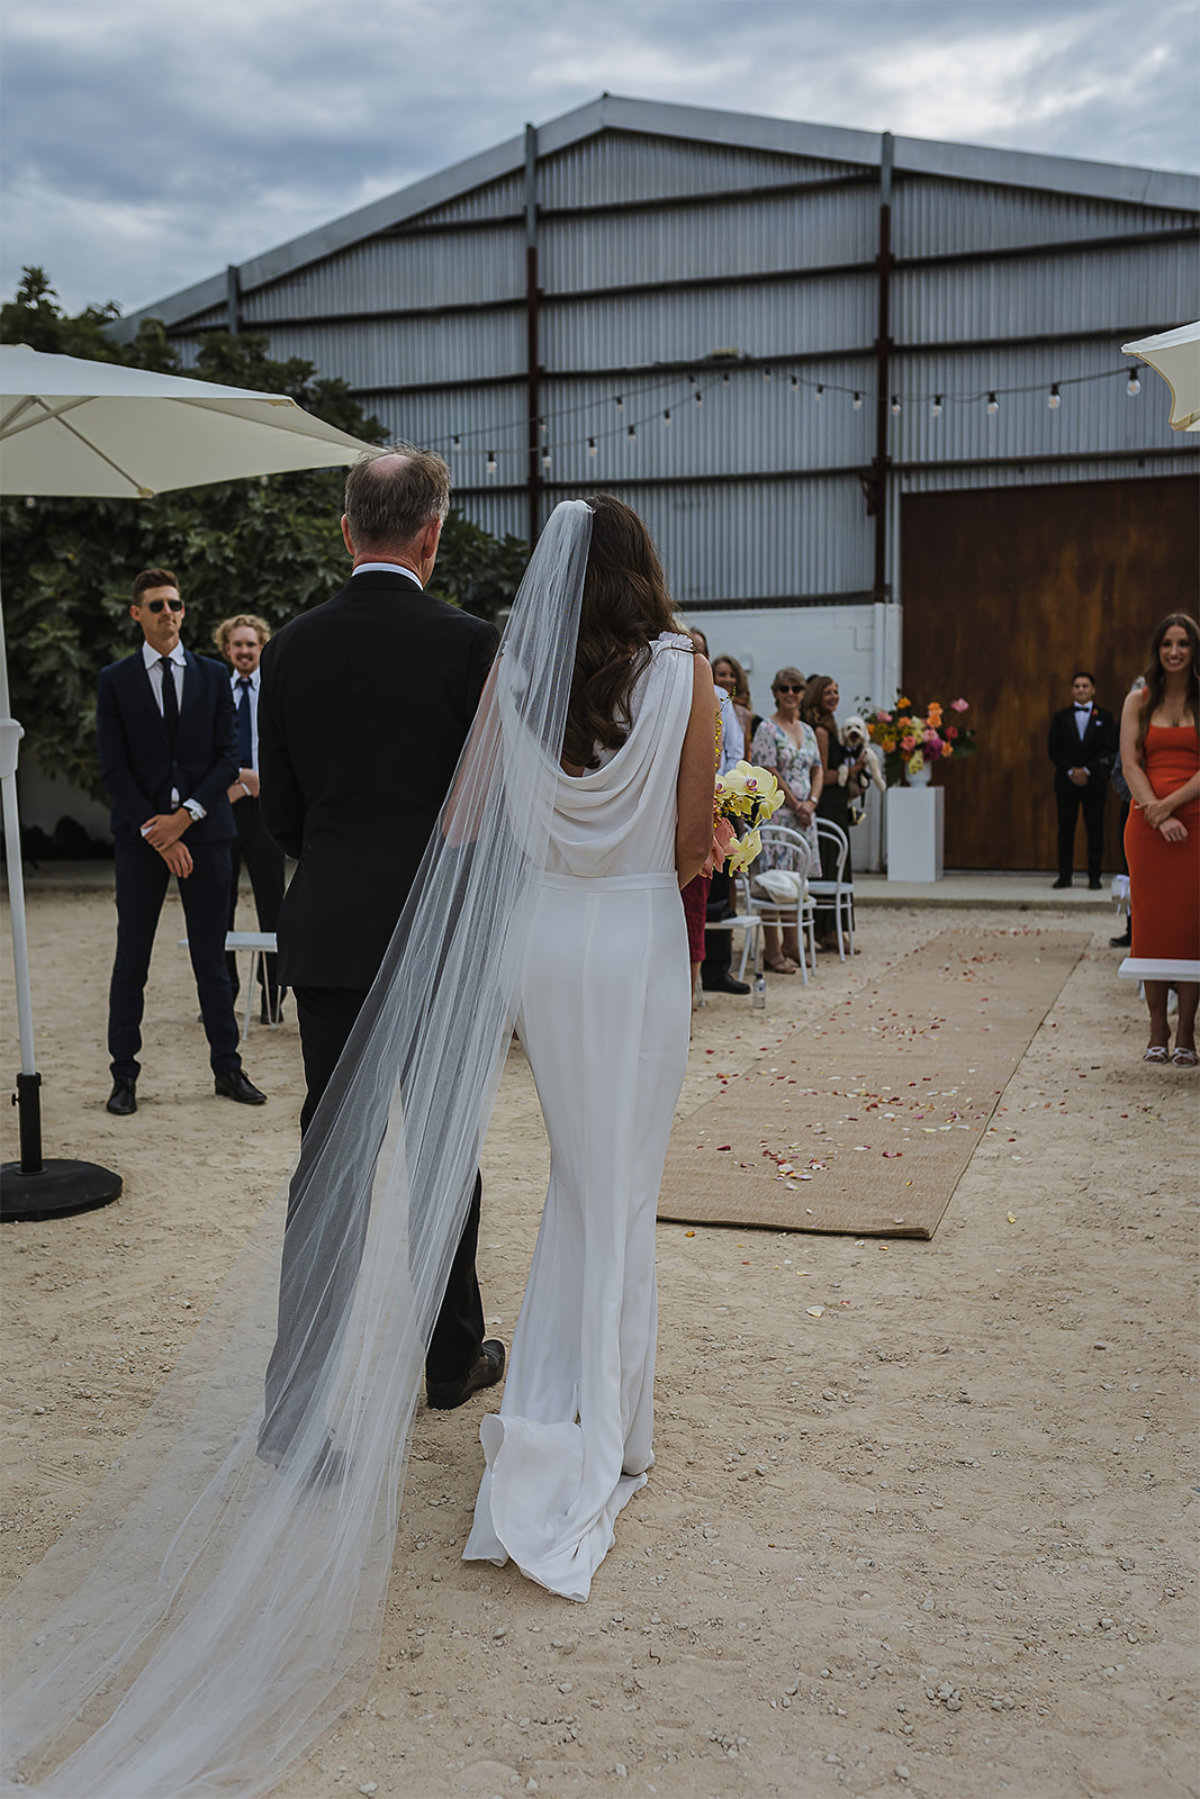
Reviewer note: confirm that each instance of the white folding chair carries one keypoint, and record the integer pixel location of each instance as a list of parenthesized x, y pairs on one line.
[(747, 921), (839, 890), (259, 943), (797, 860)]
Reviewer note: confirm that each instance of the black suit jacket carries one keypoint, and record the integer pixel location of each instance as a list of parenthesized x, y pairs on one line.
[(1095, 752), (364, 708), (137, 764)]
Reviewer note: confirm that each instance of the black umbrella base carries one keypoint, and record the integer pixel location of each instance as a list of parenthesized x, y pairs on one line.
[(57, 1190)]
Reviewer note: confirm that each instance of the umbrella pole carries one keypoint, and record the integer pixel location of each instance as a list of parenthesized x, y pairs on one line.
[(32, 1187)]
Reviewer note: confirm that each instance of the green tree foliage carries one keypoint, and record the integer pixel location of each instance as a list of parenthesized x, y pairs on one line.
[(272, 546)]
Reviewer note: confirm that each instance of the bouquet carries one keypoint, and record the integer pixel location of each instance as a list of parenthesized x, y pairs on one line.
[(909, 738), (746, 795)]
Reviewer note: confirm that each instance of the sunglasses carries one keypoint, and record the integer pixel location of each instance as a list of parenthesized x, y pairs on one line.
[(157, 605), (787, 689)]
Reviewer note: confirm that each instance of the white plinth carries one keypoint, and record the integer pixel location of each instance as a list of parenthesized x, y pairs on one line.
[(914, 833)]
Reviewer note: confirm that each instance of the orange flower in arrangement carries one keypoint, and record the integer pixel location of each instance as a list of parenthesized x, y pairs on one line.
[(933, 716), (910, 738)]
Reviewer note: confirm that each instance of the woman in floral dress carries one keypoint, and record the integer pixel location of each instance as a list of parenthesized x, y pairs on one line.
[(788, 747)]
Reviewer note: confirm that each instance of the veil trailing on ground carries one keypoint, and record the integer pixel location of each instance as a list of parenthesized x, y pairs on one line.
[(217, 1606)]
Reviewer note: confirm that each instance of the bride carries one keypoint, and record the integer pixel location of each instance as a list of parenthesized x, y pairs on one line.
[(196, 1630)]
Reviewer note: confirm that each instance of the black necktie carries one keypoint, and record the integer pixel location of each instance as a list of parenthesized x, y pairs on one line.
[(245, 740), (170, 703)]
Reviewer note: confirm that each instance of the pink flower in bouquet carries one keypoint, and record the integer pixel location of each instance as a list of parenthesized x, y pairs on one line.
[(959, 706), (933, 742), (885, 718), (908, 744)]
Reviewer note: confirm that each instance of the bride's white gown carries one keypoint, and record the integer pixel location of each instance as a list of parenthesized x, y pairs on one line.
[(605, 1016)]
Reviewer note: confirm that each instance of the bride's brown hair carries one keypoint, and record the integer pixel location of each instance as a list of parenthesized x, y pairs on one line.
[(625, 606), (1156, 674)]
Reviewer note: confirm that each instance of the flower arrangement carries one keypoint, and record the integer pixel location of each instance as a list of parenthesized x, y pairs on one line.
[(909, 738), (750, 795)]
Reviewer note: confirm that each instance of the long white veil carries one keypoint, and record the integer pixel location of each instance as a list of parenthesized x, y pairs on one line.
[(211, 1613)]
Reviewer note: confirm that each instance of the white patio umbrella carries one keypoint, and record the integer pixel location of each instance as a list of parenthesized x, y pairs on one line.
[(1175, 355), (101, 430)]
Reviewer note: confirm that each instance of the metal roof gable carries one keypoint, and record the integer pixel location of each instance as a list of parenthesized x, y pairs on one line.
[(788, 137)]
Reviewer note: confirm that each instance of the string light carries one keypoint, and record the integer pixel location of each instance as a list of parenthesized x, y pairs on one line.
[(542, 426), (1133, 386), (1054, 400), (456, 442), (667, 416), (725, 378), (857, 402), (993, 405), (545, 459), (895, 405), (620, 402), (936, 408), (699, 397), (631, 434), (491, 462), (766, 374), (819, 395), (591, 446)]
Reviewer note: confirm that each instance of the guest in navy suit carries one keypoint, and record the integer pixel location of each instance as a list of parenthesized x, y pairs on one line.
[(167, 737), (241, 640), (1082, 744)]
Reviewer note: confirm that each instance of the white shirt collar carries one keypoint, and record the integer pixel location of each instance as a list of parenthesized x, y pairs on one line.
[(236, 676), (390, 568), (152, 657)]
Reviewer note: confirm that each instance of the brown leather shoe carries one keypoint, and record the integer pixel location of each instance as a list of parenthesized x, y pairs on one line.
[(485, 1371)]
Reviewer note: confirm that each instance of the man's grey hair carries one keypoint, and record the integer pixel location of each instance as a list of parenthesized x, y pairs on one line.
[(393, 494)]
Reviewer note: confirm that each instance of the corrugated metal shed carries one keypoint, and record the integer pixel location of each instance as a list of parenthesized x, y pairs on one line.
[(677, 252)]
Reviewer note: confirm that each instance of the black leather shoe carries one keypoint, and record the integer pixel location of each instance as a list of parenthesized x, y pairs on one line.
[(485, 1371), (724, 983), (1125, 942), (1061, 883), (123, 1098), (234, 1085)]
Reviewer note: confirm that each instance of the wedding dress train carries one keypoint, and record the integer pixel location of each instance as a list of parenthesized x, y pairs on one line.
[(605, 1011)]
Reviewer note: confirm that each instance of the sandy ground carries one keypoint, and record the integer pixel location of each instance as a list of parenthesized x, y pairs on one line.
[(936, 1540)]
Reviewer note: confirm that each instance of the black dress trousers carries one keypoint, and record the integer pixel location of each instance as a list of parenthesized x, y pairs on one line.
[(264, 864), (141, 885), (1071, 800), (326, 1016)]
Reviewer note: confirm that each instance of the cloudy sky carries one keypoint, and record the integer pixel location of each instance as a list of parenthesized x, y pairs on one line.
[(147, 143)]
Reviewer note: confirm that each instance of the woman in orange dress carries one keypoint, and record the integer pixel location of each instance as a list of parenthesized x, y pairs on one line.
[(1160, 758)]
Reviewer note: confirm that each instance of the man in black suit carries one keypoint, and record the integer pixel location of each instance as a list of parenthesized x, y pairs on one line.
[(1083, 739), (167, 742), (241, 641), (357, 695)]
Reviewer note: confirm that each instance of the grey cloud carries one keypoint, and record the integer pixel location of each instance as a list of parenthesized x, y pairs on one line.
[(146, 146)]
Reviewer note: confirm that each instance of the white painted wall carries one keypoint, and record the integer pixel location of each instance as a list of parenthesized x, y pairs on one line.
[(859, 646)]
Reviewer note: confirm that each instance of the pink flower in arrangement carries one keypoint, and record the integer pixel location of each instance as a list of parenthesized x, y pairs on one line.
[(932, 740), (884, 718), (952, 732), (908, 744), (959, 706)]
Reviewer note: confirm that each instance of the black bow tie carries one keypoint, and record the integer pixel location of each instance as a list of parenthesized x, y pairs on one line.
[(1080, 708)]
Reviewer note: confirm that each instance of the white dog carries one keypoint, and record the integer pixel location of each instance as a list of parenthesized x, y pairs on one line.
[(854, 739)]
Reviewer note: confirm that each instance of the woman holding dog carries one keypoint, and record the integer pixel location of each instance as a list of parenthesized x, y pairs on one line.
[(819, 709)]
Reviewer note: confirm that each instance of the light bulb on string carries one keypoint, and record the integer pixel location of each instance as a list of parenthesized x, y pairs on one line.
[(545, 459), (491, 462), (591, 446), (766, 374), (667, 416), (725, 378), (936, 408), (1133, 386), (795, 383), (993, 405), (699, 396), (818, 396), (1054, 398), (456, 442), (631, 434), (856, 402), (542, 426), (620, 403), (896, 408)]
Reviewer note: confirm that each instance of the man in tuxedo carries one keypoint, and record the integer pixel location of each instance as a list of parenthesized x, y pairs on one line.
[(1083, 740), (240, 641), (355, 695), (167, 742)]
